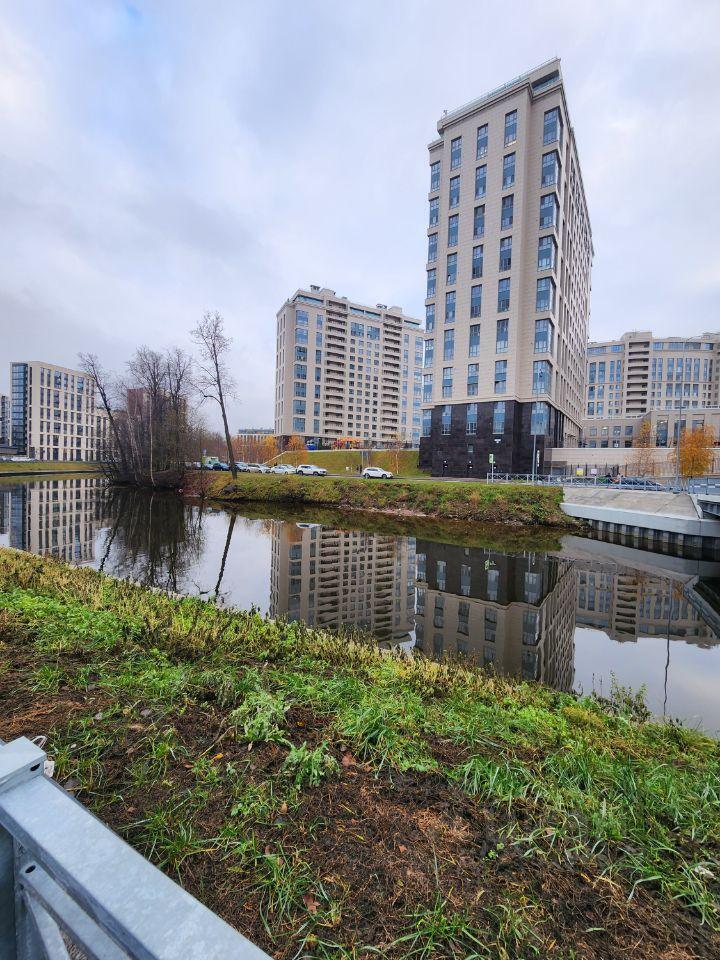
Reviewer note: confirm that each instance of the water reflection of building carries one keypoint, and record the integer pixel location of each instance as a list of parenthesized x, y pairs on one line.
[(515, 613), (351, 578), (627, 604), (58, 518)]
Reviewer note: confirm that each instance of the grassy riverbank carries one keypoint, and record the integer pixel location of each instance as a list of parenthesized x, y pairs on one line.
[(441, 500), (332, 802), (404, 463)]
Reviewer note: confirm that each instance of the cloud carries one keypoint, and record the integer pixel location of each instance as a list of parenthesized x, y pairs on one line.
[(163, 158)]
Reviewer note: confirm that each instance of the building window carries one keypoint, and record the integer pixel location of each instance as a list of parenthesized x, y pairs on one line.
[(506, 212), (541, 376), (455, 153), (476, 300), (300, 371), (447, 381), (549, 211), (498, 417), (550, 169), (500, 376), (539, 419), (482, 142), (427, 387), (449, 345), (501, 336), (301, 354), (299, 406), (508, 171), (454, 191), (471, 416), (510, 127), (426, 422), (451, 276), (298, 424), (505, 253), (434, 211), (430, 317), (431, 283), (545, 295), (477, 262), (300, 390), (446, 419), (479, 221), (480, 182), (503, 295), (543, 336), (429, 352), (474, 345), (449, 306), (552, 126), (453, 230), (432, 248), (435, 176), (472, 379), (547, 251)]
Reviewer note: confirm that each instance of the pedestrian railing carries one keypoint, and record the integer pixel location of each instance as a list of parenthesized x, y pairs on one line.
[(657, 484), (71, 887)]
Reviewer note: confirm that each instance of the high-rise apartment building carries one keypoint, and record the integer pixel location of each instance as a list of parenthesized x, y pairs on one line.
[(4, 420), (346, 372), (54, 413), (508, 281), (665, 380)]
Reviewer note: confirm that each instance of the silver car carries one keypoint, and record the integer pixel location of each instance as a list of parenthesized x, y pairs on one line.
[(257, 468), (282, 468)]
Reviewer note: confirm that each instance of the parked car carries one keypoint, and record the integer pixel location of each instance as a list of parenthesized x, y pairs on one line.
[(310, 470), (377, 473), (219, 465), (241, 466), (282, 468), (257, 468)]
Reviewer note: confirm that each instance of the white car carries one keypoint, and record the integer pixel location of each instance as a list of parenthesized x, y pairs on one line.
[(282, 468), (377, 473), (310, 470), (257, 468)]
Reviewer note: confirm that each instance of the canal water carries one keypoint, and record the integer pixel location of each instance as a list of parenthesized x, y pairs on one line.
[(576, 614)]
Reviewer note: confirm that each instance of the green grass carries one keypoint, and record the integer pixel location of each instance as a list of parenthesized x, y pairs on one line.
[(404, 463), (261, 763), (13, 468), (440, 500)]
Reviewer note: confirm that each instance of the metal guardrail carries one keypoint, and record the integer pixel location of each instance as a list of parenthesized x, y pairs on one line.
[(69, 885), (656, 484)]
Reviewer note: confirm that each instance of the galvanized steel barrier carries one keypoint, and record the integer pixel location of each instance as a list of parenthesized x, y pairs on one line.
[(71, 887)]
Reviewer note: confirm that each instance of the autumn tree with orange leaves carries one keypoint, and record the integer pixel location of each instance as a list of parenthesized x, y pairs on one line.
[(696, 451)]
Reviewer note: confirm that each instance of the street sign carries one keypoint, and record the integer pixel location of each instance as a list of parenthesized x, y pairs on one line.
[(491, 458)]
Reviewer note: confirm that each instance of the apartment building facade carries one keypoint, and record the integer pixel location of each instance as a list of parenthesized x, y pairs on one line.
[(508, 281), (4, 420), (665, 381), (346, 372), (55, 414)]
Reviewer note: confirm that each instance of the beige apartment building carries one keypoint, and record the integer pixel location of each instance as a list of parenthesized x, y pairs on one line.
[(508, 281), (55, 414), (343, 578), (346, 372), (664, 380)]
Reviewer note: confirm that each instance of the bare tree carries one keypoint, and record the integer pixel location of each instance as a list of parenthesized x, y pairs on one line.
[(90, 364), (213, 378)]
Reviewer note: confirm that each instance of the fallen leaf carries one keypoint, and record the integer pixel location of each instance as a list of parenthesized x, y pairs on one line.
[(310, 902), (402, 848), (283, 808), (218, 756), (348, 759)]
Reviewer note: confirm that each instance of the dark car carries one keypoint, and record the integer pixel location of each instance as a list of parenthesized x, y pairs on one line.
[(220, 466)]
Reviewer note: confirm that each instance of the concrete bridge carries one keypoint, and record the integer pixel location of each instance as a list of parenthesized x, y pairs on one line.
[(685, 523)]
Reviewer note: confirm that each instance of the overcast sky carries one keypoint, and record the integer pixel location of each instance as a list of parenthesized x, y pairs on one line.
[(158, 159)]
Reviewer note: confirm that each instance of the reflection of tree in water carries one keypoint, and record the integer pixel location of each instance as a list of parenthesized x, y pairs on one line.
[(153, 538)]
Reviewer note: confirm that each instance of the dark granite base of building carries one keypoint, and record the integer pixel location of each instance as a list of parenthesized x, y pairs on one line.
[(458, 453)]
